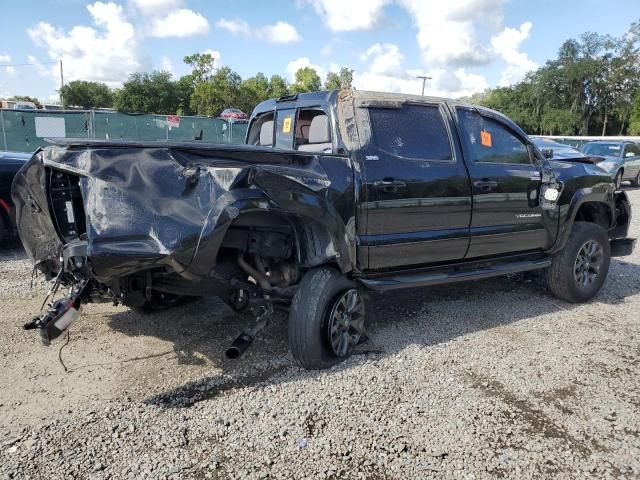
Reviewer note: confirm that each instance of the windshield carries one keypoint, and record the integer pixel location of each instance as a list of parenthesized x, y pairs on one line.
[(602, 149)]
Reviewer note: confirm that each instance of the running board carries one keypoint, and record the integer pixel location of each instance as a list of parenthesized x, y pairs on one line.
[(413, 279)]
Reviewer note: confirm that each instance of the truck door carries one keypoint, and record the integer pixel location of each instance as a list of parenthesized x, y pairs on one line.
[(418, 197), (507, 217)]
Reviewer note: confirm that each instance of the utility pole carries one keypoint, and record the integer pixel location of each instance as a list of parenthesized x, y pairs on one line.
[(61, 84), (424, 81)]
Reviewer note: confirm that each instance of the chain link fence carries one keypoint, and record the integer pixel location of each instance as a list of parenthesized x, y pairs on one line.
[(26, 130)]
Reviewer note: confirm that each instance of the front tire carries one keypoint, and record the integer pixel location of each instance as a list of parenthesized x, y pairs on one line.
[(326, 319), (579, 270), (618, 180)]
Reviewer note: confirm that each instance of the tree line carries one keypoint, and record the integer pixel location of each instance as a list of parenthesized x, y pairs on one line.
[(204, 91), (591, 88)]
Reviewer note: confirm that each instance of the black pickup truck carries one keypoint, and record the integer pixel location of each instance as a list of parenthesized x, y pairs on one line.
[(334, 194)]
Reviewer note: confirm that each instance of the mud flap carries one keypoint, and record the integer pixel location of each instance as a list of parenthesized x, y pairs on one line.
[(622, 247)]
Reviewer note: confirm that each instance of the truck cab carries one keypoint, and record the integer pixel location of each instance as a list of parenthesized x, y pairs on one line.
[(436, 180)]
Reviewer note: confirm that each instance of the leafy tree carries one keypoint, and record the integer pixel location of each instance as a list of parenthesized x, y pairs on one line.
[(202, 65), (634, 125), (587, 89), (342, 79), (221, 91), (278, 87), (26, 98), (143, 92), (307, 80), (80, 93), (253, 91)]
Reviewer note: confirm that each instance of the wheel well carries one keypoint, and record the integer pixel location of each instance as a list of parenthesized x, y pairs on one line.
[(594, 212), (278, 235)]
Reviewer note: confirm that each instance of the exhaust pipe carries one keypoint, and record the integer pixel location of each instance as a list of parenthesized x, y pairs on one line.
[(245, 339), (239, 346)]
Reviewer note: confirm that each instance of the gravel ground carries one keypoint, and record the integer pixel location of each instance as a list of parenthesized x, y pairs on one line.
[(487, 379)]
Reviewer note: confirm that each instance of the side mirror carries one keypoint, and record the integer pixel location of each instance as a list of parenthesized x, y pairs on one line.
[(629, 154), (547, 153)]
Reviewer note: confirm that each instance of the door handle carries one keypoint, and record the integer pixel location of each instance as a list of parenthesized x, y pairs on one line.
[(485, 185), (389, 185)]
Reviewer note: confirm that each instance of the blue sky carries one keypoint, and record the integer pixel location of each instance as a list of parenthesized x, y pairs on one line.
[(465, 45)]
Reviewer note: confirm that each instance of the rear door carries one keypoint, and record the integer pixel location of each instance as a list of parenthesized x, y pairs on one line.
[(418, 197), (507, 217), (631, 161)]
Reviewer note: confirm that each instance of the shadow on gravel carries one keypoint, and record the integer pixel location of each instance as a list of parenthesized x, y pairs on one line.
[(11, 249), (426, 317)]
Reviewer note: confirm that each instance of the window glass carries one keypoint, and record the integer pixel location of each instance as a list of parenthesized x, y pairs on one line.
[(285, 128), (253, 138), (632, 148), (413, 131), (489, 141), (303, 125)]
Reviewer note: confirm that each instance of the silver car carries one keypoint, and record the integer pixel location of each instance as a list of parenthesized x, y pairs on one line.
[(620, 159)]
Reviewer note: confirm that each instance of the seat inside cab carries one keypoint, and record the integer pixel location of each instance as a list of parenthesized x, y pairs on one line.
[(314, 132)]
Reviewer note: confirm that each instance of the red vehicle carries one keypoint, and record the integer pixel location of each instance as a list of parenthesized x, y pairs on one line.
[(233, 114)]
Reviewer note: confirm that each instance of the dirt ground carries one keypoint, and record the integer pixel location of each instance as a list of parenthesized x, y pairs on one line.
[(477, 380)]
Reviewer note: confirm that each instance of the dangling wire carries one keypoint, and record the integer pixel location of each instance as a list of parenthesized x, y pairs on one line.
[(52, 291), (60, 352)]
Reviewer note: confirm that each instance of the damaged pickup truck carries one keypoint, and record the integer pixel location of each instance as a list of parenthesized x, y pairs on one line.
[(334, 194)]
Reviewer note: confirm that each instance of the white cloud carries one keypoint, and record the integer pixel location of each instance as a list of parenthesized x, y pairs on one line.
[(448, 31), (234, 27), (42, 70), (386, 72), (156, 7), (167, 65), (302, 62), (107, 53), (179, 23), (280, 32), (341, 15), (4, 58), (507, 45), (11, 71), (387, 59)]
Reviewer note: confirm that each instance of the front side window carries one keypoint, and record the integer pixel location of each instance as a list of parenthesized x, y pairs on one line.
[(489, 141), (412, 131)]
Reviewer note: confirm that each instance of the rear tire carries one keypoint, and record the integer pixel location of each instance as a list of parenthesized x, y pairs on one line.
[(326, 319), (636, 181), (579, 270)]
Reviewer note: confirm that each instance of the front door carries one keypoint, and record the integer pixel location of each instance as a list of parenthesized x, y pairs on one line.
[(418, 197), (507, 217)]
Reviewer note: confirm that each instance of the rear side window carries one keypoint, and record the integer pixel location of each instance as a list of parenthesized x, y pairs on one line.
[(488, 141), (413, 131)]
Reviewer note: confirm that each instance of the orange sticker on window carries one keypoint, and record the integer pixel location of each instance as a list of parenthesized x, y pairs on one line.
[(485, 138), (286, 125)]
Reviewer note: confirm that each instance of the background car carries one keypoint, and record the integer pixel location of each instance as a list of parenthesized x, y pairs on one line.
[(233, 114), (10, 163), (560, 151), (620, 159)]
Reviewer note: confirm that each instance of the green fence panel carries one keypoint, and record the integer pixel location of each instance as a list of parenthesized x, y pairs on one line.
[(26, 130)]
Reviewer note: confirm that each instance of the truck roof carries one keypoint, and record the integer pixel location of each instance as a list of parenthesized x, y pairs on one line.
[(329, 98)]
